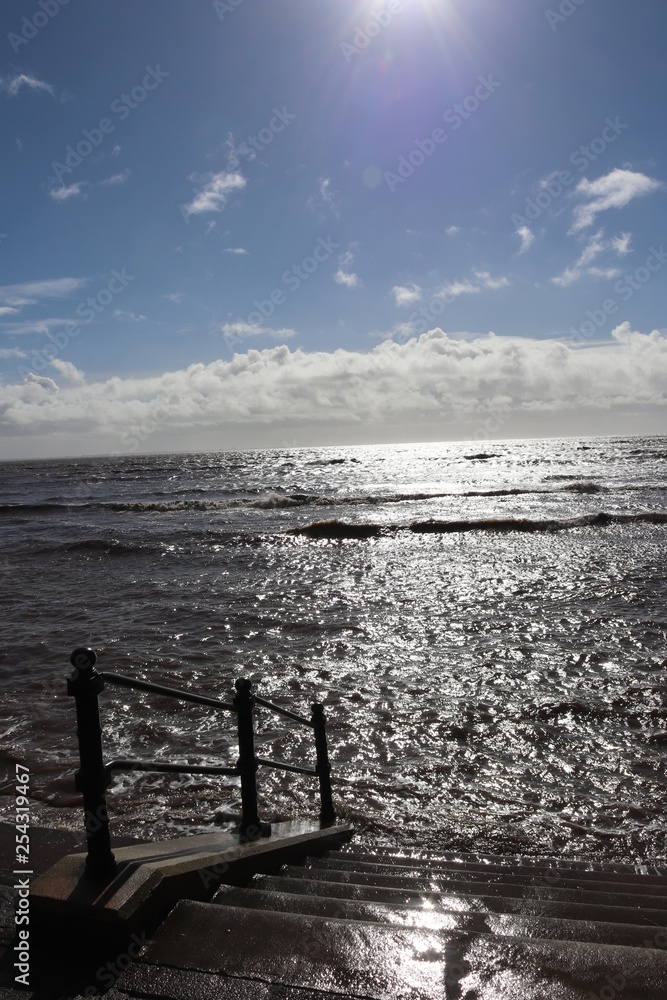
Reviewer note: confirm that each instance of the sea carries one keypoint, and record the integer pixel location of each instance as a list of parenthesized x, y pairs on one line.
[(484, 623)]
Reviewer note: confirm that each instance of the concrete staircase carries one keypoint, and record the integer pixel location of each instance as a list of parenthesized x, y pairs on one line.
[(386, 925)]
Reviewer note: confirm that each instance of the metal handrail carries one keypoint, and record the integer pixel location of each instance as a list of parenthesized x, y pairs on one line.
[(94, 776), (130, 682), (151, 765), (281, 766), (283, 711)]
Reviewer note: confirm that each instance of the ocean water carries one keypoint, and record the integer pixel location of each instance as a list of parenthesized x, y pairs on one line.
[(485, 625)]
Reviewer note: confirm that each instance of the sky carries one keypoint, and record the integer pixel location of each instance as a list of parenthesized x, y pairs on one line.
[(247, 223)]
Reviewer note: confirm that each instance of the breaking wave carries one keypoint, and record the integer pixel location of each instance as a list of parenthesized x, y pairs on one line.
[(339, 529)]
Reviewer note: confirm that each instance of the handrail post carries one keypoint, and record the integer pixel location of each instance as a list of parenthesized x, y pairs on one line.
[(251, 826), (323, 768), (91, 779)]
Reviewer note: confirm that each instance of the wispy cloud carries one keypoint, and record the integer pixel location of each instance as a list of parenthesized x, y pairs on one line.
[(28, 326), (326, 200), (13, 85), (483, 281), (452, 289), (116, 178), (615, 190), (527, 238), (68, 371), (29, 292), (405, 295), (214, 191), (129, 316), (486, 281), (64, 193), (239, 251), (241, 329), (597, 245), (344, 276)]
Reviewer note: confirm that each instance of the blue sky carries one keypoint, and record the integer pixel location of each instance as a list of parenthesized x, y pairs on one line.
[(246, 223)]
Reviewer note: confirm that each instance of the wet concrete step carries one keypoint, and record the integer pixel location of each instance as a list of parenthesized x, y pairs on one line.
[(659, 868), (457, 902), (431, 881), (430, 918), (594, 882), (495, 862), (369, 960)]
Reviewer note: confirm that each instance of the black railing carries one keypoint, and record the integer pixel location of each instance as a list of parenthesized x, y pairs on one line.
[(94, 776)]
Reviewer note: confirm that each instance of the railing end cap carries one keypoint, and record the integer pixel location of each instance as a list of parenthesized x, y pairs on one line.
[(83, 658)]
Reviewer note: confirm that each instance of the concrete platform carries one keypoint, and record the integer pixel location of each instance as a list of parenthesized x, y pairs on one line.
[(152, 877)]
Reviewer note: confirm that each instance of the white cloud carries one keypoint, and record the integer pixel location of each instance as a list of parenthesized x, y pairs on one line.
[(618, 245), (326, 200), (567, 277), (343, 275), (8, 311), (621, 244), (130, 316), (527, 238), (435, 380), (116, 178), (13, 86), (453, 230), (604, 272), (486, 281), (26, 326), (42, 381), (175, 297), (12, 352), (452, 289), (405, 295), (483, 281), (29, 292), (214, 191), (615, 190), (239, 251), (350, 280), (116, 150), (69, 371), (64, 193), (240, 329)]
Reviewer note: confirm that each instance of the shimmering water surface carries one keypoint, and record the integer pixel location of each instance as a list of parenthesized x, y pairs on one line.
[(491, 652)]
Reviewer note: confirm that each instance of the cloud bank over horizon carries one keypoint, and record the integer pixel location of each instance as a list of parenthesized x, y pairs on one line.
[(447, 388)]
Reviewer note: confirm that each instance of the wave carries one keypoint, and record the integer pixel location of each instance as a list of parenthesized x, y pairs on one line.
[(582, 486), (599, 520), (106, 546), (337, 529), (340, 529), (267, 501), (274, 500)]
